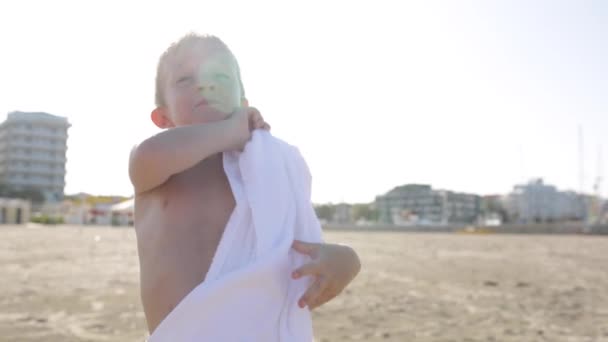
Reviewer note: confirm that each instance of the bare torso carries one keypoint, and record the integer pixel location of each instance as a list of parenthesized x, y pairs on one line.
[(179, 226)]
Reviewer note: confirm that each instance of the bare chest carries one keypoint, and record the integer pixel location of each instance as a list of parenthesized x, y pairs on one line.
[(179, 227), (190, 211)]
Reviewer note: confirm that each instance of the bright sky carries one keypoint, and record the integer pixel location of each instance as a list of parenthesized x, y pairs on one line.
[(471, 96)]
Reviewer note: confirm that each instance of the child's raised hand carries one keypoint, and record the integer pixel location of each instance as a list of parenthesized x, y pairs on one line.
[(243, 122), (256, 121), (333, 268)]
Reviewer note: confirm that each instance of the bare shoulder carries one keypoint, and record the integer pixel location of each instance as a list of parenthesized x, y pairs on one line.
[(142, 161), (132, 161)]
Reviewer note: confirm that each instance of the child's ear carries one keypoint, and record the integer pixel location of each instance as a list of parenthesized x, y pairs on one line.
[(244, 103), (160, 118)]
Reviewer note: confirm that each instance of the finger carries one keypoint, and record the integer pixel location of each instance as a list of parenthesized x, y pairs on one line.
[(253, 117), (313, 293), (259, 123), (307, 248), (256, 116), (266, 126), (309, 269), (328, 293), (251, 123)]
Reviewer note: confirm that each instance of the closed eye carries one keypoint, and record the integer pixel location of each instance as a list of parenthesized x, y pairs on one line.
[(222, 76), (185, 79)]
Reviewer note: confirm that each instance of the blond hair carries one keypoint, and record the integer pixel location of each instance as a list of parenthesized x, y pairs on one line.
[(181, 44)]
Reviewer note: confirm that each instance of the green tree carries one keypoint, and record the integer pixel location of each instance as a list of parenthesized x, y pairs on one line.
[(364, 211), (325, 211)]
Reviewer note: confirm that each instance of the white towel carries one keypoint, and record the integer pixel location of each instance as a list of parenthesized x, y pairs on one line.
[(248, 293)]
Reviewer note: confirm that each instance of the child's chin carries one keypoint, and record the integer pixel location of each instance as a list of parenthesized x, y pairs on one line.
[(210, 114), (208, 120)]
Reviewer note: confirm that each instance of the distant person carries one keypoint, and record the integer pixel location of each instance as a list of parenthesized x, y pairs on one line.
[(220, 207)]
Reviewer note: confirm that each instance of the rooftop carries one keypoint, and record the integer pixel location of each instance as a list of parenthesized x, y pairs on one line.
[(17, 116)]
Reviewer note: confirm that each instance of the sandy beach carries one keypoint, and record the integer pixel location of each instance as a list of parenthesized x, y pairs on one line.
[(70, 283)]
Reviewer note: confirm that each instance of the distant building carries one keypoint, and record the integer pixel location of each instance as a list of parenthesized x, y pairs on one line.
[(14, 211), (343, 213), (539, 202), (409, 203), (493, 210), (460, 207), (33, 153), (82, 209), (419, 204), (74, 213), (123, 213)]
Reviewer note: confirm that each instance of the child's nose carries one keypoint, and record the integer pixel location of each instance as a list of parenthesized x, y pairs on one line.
[(206, 80), (206, 87), (206, 84)]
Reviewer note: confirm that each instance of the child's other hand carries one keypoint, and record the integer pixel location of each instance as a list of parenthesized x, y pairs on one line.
[(243, 122), (333, 266)]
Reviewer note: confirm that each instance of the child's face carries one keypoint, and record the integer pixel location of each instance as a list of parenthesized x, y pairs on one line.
[(201, 85)]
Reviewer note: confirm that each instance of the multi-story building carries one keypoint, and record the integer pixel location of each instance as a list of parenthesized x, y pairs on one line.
[(460, 207), (493, 210), (408, 203), (539, 202), (420, 204), (33, 153)]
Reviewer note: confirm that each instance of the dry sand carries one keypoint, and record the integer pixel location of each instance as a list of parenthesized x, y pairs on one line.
[(81, 284)]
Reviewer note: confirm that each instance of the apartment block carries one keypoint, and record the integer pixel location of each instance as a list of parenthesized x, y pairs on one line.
[(33, 148)]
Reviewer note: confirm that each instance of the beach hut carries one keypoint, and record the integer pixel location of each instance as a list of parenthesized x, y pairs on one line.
[(14, 211), (122, 213)]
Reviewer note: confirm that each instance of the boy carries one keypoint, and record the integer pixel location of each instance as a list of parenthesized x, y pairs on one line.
[(184, 200)]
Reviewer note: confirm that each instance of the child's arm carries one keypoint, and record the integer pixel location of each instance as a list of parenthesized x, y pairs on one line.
[(333, 266), (172, 151)]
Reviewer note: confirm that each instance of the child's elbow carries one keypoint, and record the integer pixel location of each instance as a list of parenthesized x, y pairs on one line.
[(141, 167)]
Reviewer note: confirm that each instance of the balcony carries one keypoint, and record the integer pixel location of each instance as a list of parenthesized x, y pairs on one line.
[(43, 157), (35, 182), (60, 133), (36, 146), (35, 170)]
